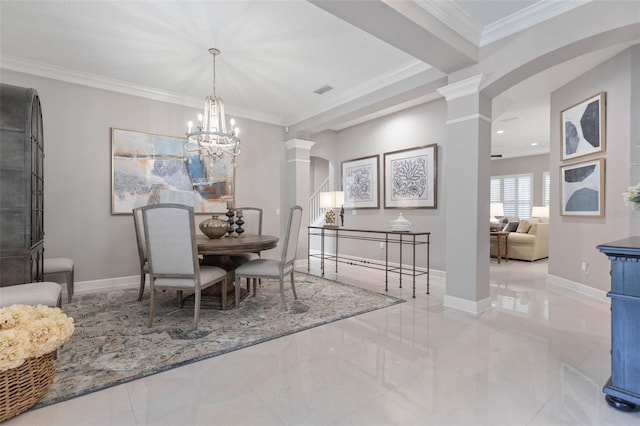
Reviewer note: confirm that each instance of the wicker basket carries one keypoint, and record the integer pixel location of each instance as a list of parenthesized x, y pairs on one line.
[(23, 386)]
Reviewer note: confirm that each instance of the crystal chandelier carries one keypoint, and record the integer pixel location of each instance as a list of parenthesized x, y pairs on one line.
[(210, 136)]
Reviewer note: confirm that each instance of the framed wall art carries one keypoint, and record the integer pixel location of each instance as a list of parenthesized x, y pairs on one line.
[(360, 182), (583, 128), (410, 178), (150, 169), (583, 188)]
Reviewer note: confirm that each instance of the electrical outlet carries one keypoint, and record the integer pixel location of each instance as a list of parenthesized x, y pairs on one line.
[(277, 211), (585, 268), (353, 212), (381, 245)]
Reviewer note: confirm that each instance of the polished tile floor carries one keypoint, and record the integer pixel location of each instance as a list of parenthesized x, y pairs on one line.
[(539, 357)]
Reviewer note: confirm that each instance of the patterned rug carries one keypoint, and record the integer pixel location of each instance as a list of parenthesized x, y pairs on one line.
[(112, 344)]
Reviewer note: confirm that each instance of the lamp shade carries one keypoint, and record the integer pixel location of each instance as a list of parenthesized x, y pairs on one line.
[(496, 209), (539, 211), (331, 199)]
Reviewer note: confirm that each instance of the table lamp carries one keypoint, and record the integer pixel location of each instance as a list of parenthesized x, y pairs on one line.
[(540, 211), (331, 200), (496, 209)]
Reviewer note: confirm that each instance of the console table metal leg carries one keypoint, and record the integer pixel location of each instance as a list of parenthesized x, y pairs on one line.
[(322, 252), (400, 261), (308, 250), (428, 273), (336, 253), (414, 266), (386, 262)]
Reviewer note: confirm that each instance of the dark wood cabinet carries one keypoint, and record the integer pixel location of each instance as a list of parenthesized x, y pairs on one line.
[(21, 186)]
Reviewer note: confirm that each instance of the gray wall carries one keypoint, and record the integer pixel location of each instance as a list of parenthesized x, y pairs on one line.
[(573, 240), (413, 127), (536, 164), (77, 137)]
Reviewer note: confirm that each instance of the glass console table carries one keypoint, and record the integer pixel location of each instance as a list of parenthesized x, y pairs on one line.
[(401, 239)]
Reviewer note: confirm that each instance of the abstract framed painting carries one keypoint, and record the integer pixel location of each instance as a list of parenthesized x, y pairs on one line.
[(583, 188), (583, 128), (150, 169), (360, 183), (410, 178)]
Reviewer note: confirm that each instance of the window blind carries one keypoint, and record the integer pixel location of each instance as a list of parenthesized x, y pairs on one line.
[(515, 192)]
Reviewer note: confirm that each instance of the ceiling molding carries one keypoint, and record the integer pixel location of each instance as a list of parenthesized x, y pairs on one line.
[(455, 18), (356, 92), (462, 88), (464, 24), (39, 69), (526, 18)]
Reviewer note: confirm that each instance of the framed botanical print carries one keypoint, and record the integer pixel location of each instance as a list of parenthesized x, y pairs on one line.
[(360, 182), (150, 169), (583, 128), (410, 178), (583, 188)]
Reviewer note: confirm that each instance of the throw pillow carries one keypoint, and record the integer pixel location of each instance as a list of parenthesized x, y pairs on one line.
[(526, 224), (511, 227)]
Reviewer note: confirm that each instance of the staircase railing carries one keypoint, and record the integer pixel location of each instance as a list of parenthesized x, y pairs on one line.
[(316, 213)]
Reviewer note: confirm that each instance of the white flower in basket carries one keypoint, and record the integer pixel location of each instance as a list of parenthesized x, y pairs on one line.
[(631, 197), (31, 331)]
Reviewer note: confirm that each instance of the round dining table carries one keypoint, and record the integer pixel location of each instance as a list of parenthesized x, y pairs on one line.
[(219, 252)]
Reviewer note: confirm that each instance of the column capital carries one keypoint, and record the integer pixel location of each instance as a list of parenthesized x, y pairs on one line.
[(298, 143), (462, 88)]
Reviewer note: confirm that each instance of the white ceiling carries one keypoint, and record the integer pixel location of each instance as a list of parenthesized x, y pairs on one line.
[(274, 55)]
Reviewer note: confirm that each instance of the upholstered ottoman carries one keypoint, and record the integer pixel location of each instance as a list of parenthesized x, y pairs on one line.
[(45, 293)]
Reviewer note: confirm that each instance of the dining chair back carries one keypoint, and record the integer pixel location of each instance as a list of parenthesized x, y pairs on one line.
[(277, 269), (252, 217), (142, 248), (173, 257)]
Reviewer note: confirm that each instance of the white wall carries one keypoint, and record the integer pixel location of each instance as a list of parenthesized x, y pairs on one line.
[(573, 240), (413, 127), (77, 143)]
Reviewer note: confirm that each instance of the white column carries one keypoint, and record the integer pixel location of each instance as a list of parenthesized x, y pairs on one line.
[(467, 162), (297, 177)]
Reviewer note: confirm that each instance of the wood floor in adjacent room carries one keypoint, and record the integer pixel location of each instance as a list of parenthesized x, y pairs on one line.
[(540, 356)]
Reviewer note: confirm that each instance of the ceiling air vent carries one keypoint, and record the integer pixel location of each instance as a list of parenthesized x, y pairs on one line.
[(323, 89)]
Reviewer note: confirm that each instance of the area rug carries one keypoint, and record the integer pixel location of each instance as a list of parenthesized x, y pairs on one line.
[(112, 344)]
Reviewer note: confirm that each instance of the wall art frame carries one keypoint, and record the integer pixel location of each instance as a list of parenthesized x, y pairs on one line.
[(583, 128), (582, 188), (147, 168), (361, 182), (411, 178)]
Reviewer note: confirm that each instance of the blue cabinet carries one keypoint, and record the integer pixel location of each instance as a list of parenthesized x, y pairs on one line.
[(623, 388)]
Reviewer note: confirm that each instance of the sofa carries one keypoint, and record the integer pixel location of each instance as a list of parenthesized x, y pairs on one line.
[(530, 240)]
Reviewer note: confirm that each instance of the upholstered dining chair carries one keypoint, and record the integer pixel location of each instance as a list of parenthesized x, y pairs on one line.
[(277, 269), (142, 249), (57, 266), (169, 231)]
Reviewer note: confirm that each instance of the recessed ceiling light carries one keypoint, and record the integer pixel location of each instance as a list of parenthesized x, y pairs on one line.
[(500, 132), (534, 144)]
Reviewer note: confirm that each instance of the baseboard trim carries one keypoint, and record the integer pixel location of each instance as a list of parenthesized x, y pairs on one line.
[(595, 293), (97, 286), (468, 306)]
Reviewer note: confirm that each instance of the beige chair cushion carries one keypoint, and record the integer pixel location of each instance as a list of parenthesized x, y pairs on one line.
[(44, 293)]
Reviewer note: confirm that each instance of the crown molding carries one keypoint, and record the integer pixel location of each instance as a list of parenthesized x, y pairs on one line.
[(39, 69), (370, 86), (455, 18), (464, 24), (526, 18), (462, 88)]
